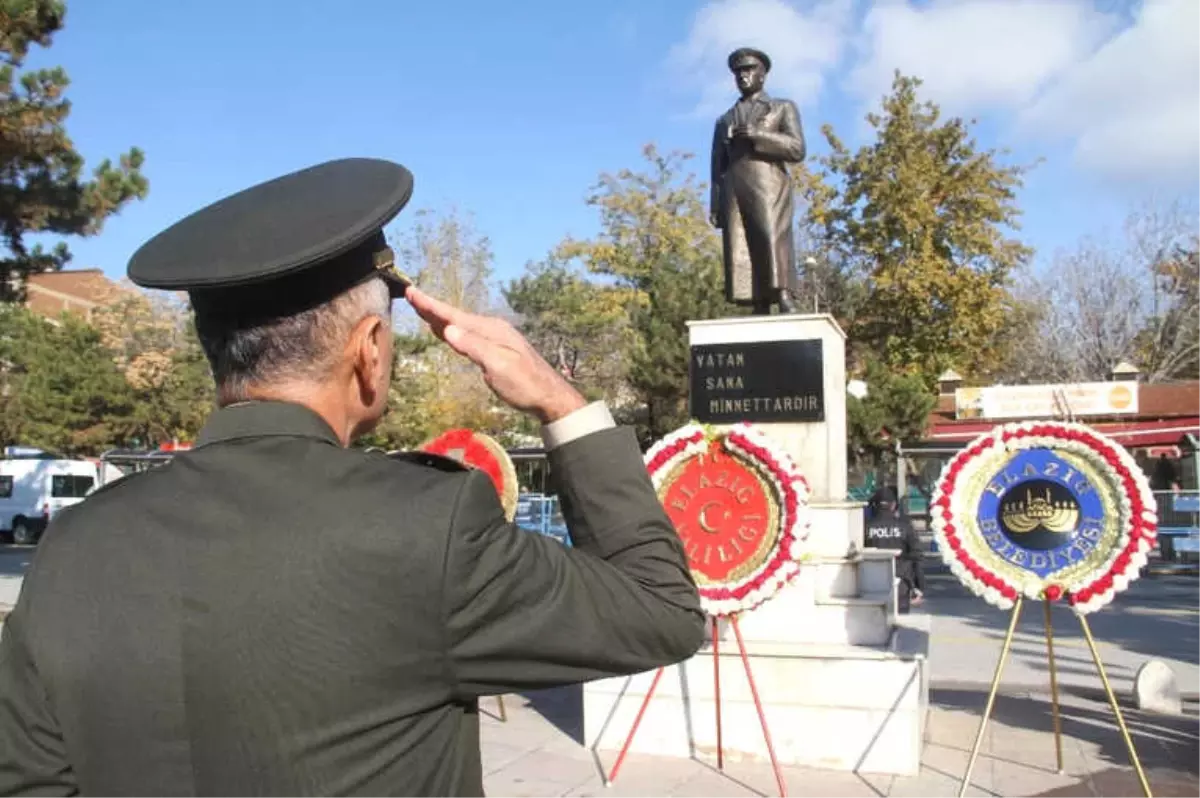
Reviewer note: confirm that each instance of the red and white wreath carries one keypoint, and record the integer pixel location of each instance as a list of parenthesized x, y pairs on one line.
[(791, 493), (1137, 522)]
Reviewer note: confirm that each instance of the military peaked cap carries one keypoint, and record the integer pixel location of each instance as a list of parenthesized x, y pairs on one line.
[(739, 58), (285, 245)]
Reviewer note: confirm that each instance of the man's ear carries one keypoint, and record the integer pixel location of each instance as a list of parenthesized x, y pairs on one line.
[(370, 351)]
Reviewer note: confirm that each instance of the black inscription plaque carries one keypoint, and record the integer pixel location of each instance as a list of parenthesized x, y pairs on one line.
[(764, 381)]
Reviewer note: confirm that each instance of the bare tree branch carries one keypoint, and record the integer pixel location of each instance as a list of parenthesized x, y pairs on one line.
[(1132, 300)]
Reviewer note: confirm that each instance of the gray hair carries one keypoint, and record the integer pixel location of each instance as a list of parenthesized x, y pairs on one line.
[(301, 347)]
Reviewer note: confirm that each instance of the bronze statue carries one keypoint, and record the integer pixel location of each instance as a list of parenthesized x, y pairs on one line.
[(753, 143)]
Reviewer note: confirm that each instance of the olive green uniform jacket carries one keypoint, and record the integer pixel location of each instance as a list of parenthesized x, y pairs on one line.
[(272, 613)]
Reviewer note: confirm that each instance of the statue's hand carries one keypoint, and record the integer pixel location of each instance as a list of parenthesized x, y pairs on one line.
[(714, 219), (740, 132)]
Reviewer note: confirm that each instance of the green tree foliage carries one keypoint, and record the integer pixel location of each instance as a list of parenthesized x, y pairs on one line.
[(423, 401), (154, 347), (649, 220), (42, 188), (656, 243), (828, 284), (407, 423), (896, 407), (434, 389), (659, 356), (920, 215), (61, 391), (581, 327)]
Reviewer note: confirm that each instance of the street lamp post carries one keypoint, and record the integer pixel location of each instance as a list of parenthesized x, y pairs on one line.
[(810, 264)]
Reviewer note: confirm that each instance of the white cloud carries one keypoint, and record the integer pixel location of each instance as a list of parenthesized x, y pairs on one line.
[(975, 54), (803, 44), (1121, 89), (1133, 106), (1123, 95)]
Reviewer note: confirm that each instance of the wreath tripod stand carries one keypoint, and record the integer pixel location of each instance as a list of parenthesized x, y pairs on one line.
[(762, 719), (1112, 699)]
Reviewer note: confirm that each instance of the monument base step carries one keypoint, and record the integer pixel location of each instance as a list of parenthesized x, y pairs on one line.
[(856, 708), (803, 612), (835, 529), (869, 571)]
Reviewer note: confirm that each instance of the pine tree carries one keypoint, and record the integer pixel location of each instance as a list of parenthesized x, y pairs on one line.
[(61, 389), (42, 188)]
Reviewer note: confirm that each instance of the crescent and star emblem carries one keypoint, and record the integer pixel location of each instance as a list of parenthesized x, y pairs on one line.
[(703, 517)]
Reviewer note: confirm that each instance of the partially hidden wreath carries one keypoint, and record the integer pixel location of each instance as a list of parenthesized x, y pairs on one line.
[(482, 452)]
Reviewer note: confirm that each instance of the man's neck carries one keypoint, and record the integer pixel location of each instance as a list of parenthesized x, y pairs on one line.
[(308, 396)]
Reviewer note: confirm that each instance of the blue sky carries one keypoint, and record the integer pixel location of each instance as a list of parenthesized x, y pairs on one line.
[(511, 110)]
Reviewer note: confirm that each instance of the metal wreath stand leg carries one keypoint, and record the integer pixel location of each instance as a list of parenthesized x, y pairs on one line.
[(762, 718), (1112, 698)]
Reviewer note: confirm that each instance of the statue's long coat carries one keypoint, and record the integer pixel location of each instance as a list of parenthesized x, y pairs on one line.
[(752, 197)]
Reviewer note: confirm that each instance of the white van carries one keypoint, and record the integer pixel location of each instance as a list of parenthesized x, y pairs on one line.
[(34, 488)]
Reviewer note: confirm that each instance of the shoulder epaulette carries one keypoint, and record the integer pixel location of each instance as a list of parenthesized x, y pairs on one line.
[(428, 459)]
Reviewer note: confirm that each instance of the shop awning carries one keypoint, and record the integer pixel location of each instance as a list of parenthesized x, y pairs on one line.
[(1134, 434)]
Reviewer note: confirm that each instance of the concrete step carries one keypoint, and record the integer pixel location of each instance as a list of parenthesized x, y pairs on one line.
[(836, 529), (876, 571), (874, 599), (846, 708), (834, 577), (848, 576), (855, 621)]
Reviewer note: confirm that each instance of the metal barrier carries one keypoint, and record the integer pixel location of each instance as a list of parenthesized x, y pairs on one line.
[(1178, 509), (1178, 525), (542, 515)]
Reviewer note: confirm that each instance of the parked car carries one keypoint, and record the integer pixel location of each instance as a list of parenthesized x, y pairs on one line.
[(33, 489)]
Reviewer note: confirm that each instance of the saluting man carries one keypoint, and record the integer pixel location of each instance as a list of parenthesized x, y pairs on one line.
[(274, 612)]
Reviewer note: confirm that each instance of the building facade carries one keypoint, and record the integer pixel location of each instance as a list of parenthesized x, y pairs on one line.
[(1158, 423), (76, 291)]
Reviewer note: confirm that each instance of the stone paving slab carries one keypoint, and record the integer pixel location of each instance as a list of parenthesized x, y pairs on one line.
[(538, 752), (10, 589), (1156, 617)]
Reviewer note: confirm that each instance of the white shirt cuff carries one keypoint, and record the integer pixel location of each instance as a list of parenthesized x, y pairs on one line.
[(584, 421)]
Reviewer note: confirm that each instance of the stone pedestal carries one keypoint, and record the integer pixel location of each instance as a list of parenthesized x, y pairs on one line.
[(819, 448), (843, 681)]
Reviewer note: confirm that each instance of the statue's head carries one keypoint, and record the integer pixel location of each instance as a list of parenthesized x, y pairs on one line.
[(750, 68)]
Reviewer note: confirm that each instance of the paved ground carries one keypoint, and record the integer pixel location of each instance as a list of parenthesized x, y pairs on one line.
[(537, 753), (13, 562), (538, 750), (1159, 616)]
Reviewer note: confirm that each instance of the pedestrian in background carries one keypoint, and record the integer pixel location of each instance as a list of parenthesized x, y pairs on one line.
[(888, 529)]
